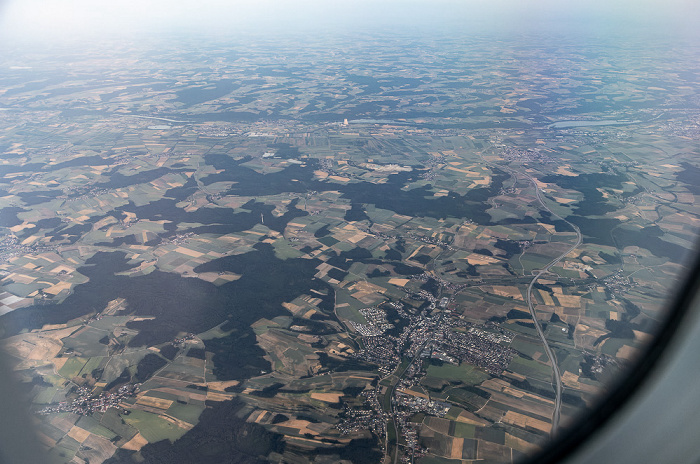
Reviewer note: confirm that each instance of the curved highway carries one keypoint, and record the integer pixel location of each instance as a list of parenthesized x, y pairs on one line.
[(550, 354)]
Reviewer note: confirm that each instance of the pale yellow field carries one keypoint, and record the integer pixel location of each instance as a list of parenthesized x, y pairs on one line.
[(218, 396), (413, 393), (471, 418), (476, 259), (546, 298), (188, 252), (180, 423), (565, 171), (503, 290), (570, 379), (135, 443), (58, 288), (150, 401), (78, 434), (327, 397), (521, 420), (32, 349), (571, 301), (357, 237), (457, 446)]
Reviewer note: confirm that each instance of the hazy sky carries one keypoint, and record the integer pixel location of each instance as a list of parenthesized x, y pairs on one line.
[(52, 20)]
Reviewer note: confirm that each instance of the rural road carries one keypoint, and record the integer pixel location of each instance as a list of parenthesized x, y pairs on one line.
[(550, 354)]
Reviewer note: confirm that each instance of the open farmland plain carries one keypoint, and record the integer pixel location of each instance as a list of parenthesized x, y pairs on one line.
[(268, 257)]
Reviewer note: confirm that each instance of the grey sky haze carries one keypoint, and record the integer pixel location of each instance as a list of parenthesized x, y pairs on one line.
[(55, 20)]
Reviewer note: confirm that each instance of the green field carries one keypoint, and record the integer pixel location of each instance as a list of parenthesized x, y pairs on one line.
[(124, 230), (152, 427), (531, 368), (187, 412), (463, 430), (526, 347), (72, 367), (466, 373), (92, 425), (92, 364), (285, 250), (46, 396), (351, 312)]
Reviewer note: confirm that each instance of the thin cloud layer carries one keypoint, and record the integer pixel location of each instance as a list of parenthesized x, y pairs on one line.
[(56, 20)]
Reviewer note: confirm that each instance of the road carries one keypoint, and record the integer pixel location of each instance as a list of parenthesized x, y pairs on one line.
[(550, 354), (393, 392), (393, 417)]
